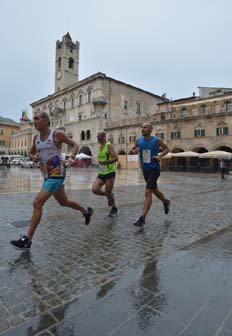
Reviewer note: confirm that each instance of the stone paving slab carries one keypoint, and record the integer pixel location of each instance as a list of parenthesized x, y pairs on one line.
[(167, 280)]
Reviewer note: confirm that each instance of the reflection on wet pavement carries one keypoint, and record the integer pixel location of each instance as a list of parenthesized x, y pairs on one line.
[(174, 278)]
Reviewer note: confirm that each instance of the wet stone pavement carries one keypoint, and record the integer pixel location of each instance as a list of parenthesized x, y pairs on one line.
[(108, 278)]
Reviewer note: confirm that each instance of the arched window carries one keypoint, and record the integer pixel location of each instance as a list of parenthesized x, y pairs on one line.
[(89, 96), (88, 135), (82, 135), (80, 99), (70, 63)]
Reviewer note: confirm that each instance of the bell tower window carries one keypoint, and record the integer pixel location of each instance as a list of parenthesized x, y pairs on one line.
[(70, 63)]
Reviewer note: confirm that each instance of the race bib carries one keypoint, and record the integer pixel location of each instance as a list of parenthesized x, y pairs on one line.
[(102, 168), (146, 156)]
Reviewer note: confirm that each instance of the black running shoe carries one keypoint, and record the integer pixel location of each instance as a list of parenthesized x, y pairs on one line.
[(166, 206), (140, 222), (88, 215), (22, 243), (113, 212)]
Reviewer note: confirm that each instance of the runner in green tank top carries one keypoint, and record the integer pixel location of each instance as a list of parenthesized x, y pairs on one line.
[(107, 158)]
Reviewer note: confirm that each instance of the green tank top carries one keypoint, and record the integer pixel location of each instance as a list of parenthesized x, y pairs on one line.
[(103, 155)]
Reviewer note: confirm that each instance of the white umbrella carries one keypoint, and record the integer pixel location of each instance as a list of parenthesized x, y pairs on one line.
[(216, 155), (187, 154), (168, 156), (82, 156)]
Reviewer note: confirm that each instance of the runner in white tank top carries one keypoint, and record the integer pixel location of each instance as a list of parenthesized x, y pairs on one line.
[(50, 156), (47, 149)]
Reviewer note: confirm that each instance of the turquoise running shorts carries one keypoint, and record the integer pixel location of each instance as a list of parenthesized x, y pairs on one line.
[(53, 184)]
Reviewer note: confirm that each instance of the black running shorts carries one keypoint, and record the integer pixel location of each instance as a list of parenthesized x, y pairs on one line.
[(151, 177)]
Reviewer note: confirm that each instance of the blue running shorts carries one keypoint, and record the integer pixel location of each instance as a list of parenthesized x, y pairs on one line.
[(53, 184)]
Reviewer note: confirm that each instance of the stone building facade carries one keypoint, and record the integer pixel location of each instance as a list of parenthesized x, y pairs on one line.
[(21, 141), (8, 127), (94, 103), (197, 124)]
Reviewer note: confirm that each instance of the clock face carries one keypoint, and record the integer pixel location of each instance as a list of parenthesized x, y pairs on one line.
[(58, 76)]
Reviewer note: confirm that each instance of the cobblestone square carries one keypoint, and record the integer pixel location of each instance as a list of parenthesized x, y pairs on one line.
[(108, 278)]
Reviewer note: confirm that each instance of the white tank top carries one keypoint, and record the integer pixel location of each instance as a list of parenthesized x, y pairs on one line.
[(52, 165)]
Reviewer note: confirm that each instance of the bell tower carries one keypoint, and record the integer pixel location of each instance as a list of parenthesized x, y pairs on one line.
[(67, 63)]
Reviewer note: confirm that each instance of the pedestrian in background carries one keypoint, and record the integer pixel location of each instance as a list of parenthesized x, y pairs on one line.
[(222, 168)]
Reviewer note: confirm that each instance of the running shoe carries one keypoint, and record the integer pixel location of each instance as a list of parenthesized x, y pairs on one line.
[(88, 215), (113, 212), (166, 206), (22, 243), (140, 222)]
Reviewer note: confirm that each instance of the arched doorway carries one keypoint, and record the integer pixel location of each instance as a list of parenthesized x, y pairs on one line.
[(224, 148)]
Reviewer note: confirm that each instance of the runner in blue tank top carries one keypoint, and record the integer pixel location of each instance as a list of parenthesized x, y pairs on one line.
[(46, 149), (148, 147)]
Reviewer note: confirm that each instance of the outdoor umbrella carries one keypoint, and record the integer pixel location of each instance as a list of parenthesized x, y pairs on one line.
[(168, 156), (187, 154), (216, 155), (82, 156)]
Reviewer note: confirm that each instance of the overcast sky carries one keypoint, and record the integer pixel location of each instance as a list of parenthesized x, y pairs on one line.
[(163, 46)]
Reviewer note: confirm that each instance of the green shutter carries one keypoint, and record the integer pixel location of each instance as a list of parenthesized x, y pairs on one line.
[(202, 132), (217, 131), (195, 133), (225, 130), (172, 135)]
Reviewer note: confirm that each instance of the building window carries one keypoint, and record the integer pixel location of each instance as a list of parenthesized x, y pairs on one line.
[(160, 135), (105, 116), (72, 103), (71, 63), (204, 109), (80, 117), (132, 138), (59, 62), (200, 132), (175, 135), (89, 96), (1, 131), (88, 135), (125, 104), (194, 112), (2, 143), (82, 135), (138, 108), (228, 105), (64, 105), (184, 112), (80, 99), (121, 139), (222, 131)]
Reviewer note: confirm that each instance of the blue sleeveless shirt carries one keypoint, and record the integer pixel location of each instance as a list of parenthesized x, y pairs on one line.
[(149, 149)]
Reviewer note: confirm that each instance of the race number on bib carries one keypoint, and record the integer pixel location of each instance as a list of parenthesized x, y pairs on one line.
[(102, 168), (146, 156)]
